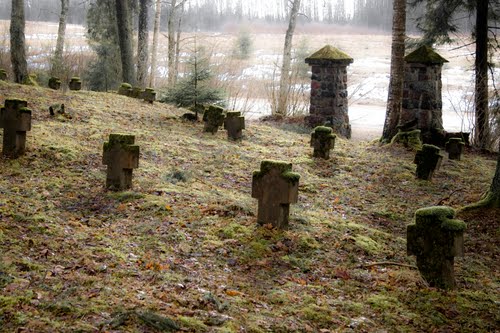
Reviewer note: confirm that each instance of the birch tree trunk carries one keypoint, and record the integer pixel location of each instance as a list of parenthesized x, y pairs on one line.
[(395, 96), (125, 40), (57, 64), (287, 60), (142, 44), (17, 42), (156, 33)]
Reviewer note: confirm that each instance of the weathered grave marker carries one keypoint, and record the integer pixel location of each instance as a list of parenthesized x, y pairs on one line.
[(15, 119), (75, 84), (121, 156), (54, 83), (234, 124), (149, 95), (213, 118), (428, 160), (3, 75), (436, 239), (276, 187), (455, 148), (125, 89), (322, 140)]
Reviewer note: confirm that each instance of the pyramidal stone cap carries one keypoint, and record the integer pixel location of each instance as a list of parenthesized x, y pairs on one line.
[(331, 54), (425, 55)]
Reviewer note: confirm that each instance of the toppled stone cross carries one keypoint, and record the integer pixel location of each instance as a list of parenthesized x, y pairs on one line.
[(322, 140), (276, 187), (213, 118), (428, 160), (234, 124), (436, 239), (15, 119), (455, 148), (121, 156)]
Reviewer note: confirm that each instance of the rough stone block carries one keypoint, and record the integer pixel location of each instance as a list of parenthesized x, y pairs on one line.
[(234, 123), (121, 156), (15, 119)]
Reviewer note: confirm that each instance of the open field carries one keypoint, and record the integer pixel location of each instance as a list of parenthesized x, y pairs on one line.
[(184, 250)]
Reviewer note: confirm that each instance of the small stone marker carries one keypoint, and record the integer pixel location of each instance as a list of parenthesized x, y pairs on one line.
[(125, 89), (75, 84), (322, 140), (149, 95), (213, 118), (3, 75), (428, 160), (121, 156), (436, 239), (234, 124), (276, 187), (136, 92), (15, 119), (455, 148), (54, 83)]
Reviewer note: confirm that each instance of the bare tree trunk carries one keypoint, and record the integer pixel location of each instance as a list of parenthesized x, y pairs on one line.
[(495, 184), (395, 96), (57, 64), (17, 42), (287, 60), (156, 33), (177, 44), (482, 132), (142, 44), (125, 40)]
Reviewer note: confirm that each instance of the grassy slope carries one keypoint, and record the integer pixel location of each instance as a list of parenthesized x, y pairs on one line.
[(185, 244)]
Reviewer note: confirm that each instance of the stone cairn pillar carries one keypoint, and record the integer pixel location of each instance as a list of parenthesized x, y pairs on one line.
[(54, 83), (329, 90), (436, 239), (3, 75), (125, 89), (322, 140), (213, 118), (422, 103), (149, 95), (75, 84), (276, 187), (455, 148), (234, 124), (428, 160), (121, 156), (15, 119)]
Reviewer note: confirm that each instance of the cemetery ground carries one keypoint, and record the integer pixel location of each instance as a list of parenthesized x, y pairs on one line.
[(183, 250)]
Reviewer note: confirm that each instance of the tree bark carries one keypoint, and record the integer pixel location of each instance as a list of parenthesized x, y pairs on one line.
[(17, 42), (482, 131), (172, 20), (495, 185), (156, 33), (142, 44), (125, 40), (287, 60), (178, 44), (395, 96), (57, 65)]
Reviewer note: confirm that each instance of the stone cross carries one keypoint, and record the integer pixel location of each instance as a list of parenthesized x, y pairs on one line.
[(125, 89), (213, 118), (54, 83), (15, 119), (329, 104), (121, 156), (276, 187), (428, 160), (75, 84), (436, 239), (234, 124), (3, 75), (149, 95), (455, 148), (322, 140)]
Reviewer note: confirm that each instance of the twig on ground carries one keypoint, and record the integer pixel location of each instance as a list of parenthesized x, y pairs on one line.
[(387, 263)]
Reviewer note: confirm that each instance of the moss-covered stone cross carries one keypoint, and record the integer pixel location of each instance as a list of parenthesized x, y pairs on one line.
[(234, 124), (322, 140), (121, 156), (54, 83), (15, 119), (428, 160), (455, 148), (276, 187), (149, 95), (213, 118), (125, 89), (75, 84), (3, 75), (436, 239)]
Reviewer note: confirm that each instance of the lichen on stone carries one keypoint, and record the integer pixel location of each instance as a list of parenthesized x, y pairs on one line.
[(124, 139), (231, 114), (453, 225), (439, 212), (126, 85), (329, 53), (425, 55), (284, 168)]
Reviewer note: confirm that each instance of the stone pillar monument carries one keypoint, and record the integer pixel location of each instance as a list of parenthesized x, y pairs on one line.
[(422, 103), (329, 90)]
